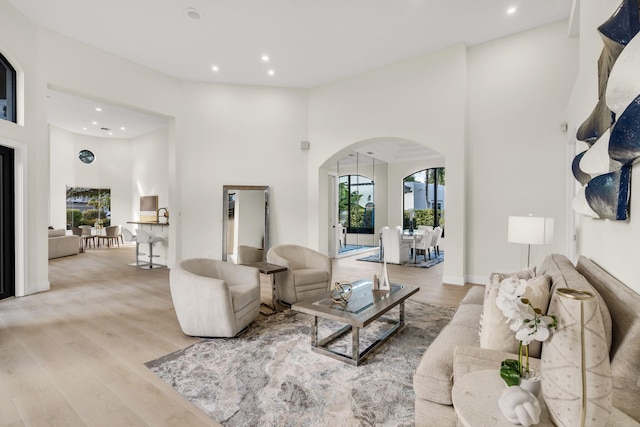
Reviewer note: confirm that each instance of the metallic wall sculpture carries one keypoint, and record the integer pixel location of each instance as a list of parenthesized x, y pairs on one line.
[(613, 127)]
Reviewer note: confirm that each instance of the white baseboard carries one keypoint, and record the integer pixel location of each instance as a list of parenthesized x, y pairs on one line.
[(34, 288), (477, 280), (453, 280)]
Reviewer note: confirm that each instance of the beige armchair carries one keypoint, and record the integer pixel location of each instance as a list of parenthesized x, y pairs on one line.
[(308, 275), (214, 298)]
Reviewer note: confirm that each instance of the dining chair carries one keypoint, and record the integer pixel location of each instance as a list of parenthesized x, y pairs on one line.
[(112, 234), (87, 236)]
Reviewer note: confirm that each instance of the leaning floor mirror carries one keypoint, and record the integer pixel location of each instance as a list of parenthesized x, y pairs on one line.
[(245, 226)]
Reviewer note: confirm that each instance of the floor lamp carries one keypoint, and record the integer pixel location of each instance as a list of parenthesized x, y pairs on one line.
[(530, 230)]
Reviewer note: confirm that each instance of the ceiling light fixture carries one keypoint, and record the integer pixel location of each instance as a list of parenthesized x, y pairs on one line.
[(271, 72), (98, 109), (215, 68), (265, 58), (95, 123), (512, 10), (193, 13), (122, 128)]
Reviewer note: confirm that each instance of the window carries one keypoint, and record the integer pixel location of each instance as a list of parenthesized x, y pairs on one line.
[(356, 204), (7, 91), (423, 201)]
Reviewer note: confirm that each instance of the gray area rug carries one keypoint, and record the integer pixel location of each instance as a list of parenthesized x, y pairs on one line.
[(269, 376), (421, 260)]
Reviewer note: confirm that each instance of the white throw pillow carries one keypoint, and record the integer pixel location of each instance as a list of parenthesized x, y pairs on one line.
[(526, 274), (495, 333)]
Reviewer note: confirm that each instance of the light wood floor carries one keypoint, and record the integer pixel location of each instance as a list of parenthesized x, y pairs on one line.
[(74, 356)]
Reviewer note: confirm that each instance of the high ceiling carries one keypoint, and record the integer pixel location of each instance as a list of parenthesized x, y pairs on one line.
[(308, 42)]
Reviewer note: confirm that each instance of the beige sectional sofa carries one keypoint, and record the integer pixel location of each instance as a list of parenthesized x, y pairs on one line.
[(456, 351), (62, 245)]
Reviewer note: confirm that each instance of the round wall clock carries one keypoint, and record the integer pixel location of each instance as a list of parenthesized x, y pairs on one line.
[(86, 156)]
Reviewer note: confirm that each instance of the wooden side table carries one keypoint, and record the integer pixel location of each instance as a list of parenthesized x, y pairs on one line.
[(475, 400)]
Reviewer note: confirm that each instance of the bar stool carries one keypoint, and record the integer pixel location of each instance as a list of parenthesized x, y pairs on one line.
[(131, 238), (144, 237)]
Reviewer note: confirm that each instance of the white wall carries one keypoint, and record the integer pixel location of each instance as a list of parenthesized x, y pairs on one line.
[(149, 165), (519, 87), (19, 44), (422, 100), (111, 169), (611, 244), (241, 135)]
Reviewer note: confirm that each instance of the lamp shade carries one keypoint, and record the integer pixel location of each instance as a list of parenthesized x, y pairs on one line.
[(530, 230)]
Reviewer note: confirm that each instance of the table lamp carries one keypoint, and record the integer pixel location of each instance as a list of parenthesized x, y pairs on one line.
[(530, 230)]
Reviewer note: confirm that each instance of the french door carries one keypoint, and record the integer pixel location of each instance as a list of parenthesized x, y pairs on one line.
[(7, 224)]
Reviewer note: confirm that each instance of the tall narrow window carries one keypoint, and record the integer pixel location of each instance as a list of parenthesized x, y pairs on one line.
[(423, 201), (357, 208), (7, 90)]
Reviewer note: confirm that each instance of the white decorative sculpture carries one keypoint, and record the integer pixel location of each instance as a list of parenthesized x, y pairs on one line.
[(381, 283), (519, 406)]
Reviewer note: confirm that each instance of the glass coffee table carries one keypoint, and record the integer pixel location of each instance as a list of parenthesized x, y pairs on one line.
[(364, 307)]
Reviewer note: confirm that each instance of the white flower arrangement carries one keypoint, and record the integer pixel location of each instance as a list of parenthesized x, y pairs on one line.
[(527, 321)]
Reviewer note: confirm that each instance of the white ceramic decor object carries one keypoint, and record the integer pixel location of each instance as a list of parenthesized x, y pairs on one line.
[(519, 406)]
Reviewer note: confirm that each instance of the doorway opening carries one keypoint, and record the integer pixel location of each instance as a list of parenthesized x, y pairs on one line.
[(7, 223)]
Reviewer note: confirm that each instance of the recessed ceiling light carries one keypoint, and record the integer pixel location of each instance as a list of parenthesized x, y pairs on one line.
[(84, 128), (110, 133), (265, 58), (215, 68), (271, 72), (95, 123), (98, 109), (512, 10), (192, 13), (122, 128)]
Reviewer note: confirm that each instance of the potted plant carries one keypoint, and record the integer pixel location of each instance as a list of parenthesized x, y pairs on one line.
[(529, 324)]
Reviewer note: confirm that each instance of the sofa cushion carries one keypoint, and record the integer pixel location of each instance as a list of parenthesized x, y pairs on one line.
[(57, 232), (526, 274), (564, 274), (309, 276), (474, 296), (433, 378), (495, 333), (467, 315), (625, 346)]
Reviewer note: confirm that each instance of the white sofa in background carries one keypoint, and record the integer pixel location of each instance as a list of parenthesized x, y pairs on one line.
[(61, 244)]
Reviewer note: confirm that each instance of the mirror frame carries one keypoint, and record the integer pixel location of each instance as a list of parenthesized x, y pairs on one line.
[(226, 189)]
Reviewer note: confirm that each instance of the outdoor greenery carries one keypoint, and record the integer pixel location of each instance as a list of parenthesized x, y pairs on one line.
[(97, 198), (350, 202), (423, 217)]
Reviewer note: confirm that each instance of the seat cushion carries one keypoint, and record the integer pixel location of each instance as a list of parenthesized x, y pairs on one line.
[(309, 276), (433, 378), (243, 295)]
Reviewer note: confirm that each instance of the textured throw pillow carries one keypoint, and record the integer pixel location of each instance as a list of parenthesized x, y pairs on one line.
[(526, 274), (495, 333)]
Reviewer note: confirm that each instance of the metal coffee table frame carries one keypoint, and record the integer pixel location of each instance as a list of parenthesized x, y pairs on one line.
[(368, 306)]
